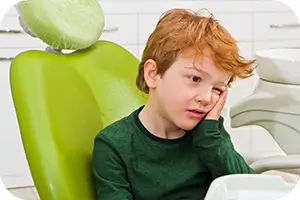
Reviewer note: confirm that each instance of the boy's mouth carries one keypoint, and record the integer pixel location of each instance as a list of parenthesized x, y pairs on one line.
[(195, 113)]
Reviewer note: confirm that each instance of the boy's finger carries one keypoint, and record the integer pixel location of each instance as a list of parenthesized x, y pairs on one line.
[(222, 100), (223, 97)]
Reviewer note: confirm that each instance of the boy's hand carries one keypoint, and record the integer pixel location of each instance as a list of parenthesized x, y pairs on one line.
[(215, 112)]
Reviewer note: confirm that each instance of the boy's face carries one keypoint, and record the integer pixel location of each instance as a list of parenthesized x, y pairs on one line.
[(188, 90)]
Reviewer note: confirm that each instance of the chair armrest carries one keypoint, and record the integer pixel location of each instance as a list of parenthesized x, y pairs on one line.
[(251, 158), (276, 163)]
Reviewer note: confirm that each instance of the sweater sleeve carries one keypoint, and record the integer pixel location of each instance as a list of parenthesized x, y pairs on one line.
[(109, 172), (216, 150)]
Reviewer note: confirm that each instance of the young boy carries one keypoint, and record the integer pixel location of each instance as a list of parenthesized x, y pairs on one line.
[(174, 146)]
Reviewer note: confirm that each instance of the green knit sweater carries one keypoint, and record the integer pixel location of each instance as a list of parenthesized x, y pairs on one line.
[(131, 163)]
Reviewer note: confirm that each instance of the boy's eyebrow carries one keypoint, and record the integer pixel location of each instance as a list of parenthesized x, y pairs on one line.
[(207, 74), (198, 70)]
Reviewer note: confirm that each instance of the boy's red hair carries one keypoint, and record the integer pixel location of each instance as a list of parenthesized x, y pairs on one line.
[(182, 29)]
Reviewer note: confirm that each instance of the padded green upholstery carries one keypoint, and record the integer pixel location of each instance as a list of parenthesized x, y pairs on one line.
[(62, 102)]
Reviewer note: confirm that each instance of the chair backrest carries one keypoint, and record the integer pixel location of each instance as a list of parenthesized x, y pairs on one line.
[(62, 101)]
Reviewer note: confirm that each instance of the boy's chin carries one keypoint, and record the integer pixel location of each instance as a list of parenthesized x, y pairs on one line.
[(189, 126)]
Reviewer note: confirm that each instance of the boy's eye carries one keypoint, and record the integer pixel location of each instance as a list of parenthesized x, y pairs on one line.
[(196, 79), (218, 91)]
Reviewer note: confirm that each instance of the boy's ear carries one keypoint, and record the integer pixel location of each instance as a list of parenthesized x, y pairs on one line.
[(150, 73)]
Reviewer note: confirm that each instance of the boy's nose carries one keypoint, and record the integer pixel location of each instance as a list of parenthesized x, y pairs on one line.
[(204, 98)]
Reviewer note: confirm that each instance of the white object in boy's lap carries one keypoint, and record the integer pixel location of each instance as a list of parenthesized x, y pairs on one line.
[(249, 187), (260, 194)]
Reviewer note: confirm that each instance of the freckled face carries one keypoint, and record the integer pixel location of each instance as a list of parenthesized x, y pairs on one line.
[(188, 90)]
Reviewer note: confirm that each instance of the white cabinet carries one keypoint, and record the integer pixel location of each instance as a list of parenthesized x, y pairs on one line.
[(121, 29), (146, 24), (246, 49), (276, 26), (238, 24), (260, 45), (14, 39)]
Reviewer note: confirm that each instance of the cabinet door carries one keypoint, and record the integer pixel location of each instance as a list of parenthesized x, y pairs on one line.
[(120, 29), (264, 45), (276, 26), (13, 36), (14, 169)]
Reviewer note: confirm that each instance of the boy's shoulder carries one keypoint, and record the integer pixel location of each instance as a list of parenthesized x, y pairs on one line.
[(119, 131)]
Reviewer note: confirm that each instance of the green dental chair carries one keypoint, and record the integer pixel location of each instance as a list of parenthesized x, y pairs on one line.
[(62, 101)]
